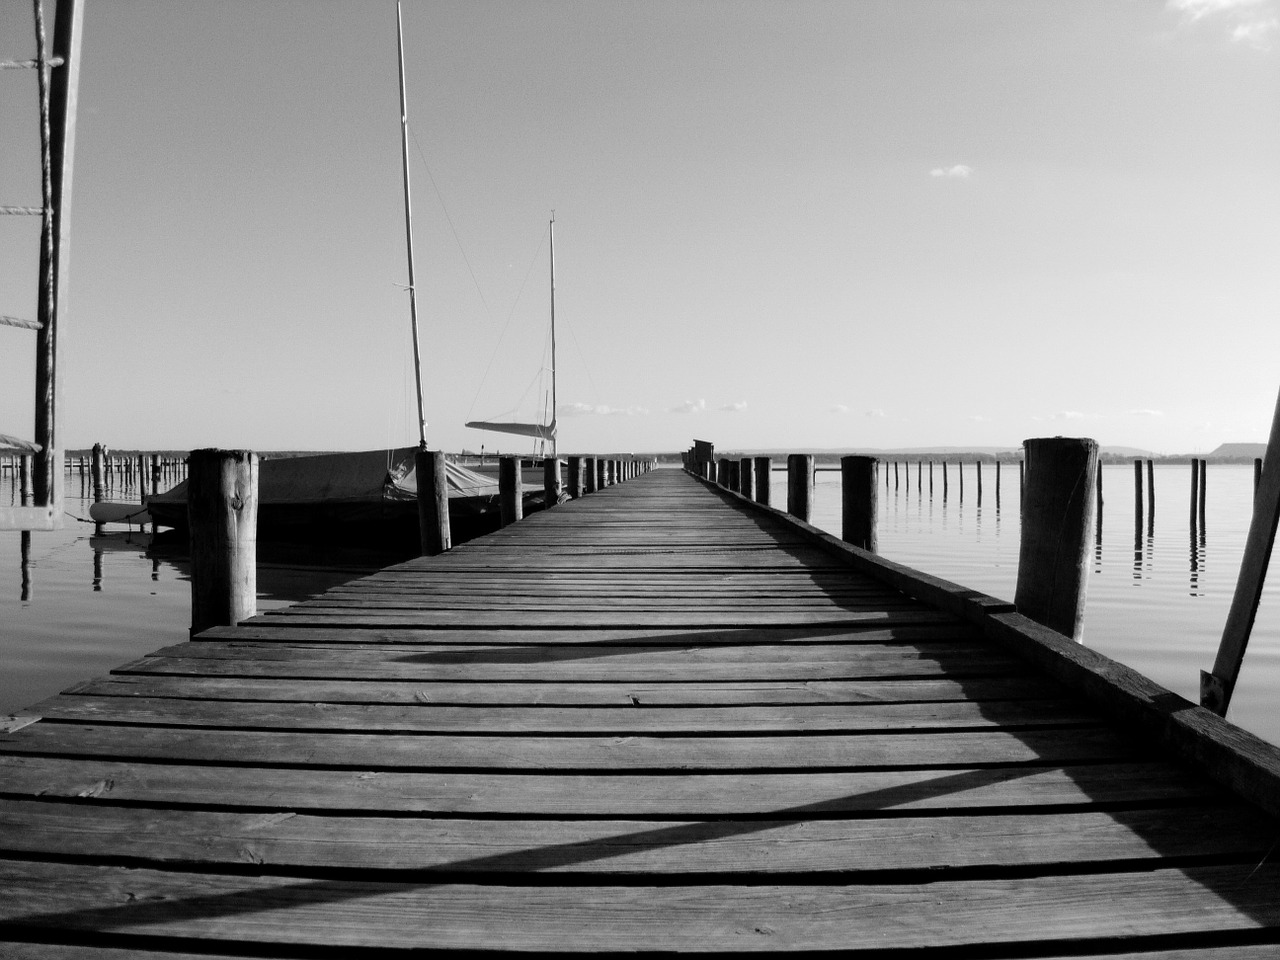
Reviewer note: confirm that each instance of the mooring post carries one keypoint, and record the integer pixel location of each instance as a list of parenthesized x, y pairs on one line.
[(1137, 494), (1053, 557), (800, 485), (222, 513), (1097, 510), (858, 490), (575, 477), (434, 533), (1151, 497), (735, 474), (746, 478), (602, 477), (764, 479), (1257, 474), (510, 490), (588, 475), (551, 481), (1216, 687), (1195, 490), (1204, 486)]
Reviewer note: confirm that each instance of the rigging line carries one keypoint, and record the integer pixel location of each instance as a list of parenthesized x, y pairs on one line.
[(449, 219), (505, 327)]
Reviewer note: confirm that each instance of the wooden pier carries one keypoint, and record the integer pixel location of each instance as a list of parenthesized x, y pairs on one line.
[(655, 719)]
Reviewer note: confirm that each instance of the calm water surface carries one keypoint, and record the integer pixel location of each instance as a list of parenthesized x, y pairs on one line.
[(1157, 599)]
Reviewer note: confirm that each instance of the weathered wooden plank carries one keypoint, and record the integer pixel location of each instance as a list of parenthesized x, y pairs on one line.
[(669, 794), (548, 693), (627, 720), (793, 841), (534, 752), (1043, 910)]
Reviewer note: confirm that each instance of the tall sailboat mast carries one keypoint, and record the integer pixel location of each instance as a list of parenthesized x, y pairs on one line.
[(408, 231), (554, 443)]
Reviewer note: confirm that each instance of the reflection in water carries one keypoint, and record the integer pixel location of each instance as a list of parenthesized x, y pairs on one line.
[(97, 569)]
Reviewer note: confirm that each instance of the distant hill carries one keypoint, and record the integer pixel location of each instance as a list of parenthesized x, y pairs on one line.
[(1238, 451)]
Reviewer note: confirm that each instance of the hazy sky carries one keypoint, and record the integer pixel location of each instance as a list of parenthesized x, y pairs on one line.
[(779, 224)]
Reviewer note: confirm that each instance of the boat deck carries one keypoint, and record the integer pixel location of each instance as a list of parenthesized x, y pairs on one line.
[(650, 720)]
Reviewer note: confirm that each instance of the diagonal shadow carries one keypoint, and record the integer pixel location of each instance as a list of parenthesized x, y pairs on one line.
[(330, 891)]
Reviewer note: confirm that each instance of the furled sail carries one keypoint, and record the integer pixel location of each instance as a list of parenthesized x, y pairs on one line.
[(539, 431)]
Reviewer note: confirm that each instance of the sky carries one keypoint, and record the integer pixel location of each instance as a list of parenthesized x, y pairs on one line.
[(793, 225)]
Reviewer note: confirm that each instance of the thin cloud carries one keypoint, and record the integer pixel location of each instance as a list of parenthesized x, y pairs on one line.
[(979, 418), (1256, 34), (840, 408), (689, 406), (735, 407), (599, 410), (957, 172), (877, 412), (1195, 10), (1251, 22), (1146, 413)]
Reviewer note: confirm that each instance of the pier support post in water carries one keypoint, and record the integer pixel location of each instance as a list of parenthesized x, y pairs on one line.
[(764, 479), (800, 485), (575, 478), (1057, 517), (746, 478), (510, 490), (588, 475), (222, 511), (550, 481), (858, 501), (1216, 687), (434, 533)]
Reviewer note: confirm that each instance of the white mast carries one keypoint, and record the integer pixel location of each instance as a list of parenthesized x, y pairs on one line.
[(408, 230), (554, 444)]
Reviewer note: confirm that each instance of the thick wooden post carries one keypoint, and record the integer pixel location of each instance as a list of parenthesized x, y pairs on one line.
[(1195, 490), (1097, 510), (510, 490), (945, 482), (575, 477), (1137, 494), (99, 472), (1053, 559), (1204, 486), (588, 475), (763, 479), (222, 511), (1151, 497), (722, 472), (746, 478), (434, 533), (858, 489), (1257, 474), (735, 472), (602, 479), (800, 485), (551, 481), (1216, 687)]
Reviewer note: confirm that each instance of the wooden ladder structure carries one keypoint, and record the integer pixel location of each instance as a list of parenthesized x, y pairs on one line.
[(656, 719)]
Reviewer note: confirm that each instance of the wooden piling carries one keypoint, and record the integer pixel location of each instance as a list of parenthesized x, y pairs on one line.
[(551, 486), (800, 485), (764, 479), (99, 472), (575, 478), (858, 487), (435, 535), (977, 467), (945, 482), (1195, 490), (734, 468), (1204, 486), (601, 475), (1054, 550), (1137, 494), (1257, 474), (997, 485), (222, 513), (589, 474), (510, 490), (746, 478), (1151, 498), (1097, 511)]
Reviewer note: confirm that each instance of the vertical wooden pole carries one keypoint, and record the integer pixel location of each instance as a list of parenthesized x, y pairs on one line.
[(997, 485), (435, 535), (510, 490), (1097, 511), (1151, 498), (858, 486), (1204, 486), (931, 479), (945, 482), (1216, 687), (977, 466), (601, 475), (26, 486), (1053, 556), (222, 511), (1195, 490), (551, 481), (734, 469), (800, 485), (960, 479), (575, 478), (764, 480), (1137, 494), (746, 478), (588, 475), (895, 476), (1257, 474)]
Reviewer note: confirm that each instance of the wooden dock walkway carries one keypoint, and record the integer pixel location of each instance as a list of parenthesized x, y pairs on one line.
[(654, 719)]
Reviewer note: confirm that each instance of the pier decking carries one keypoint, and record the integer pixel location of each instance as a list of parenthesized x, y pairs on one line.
[(653, 719)]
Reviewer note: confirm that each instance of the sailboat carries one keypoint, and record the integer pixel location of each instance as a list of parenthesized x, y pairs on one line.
[(369, 495), (544, 432)]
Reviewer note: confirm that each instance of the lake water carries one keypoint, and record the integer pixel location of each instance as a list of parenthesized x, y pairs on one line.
[(80, 604)]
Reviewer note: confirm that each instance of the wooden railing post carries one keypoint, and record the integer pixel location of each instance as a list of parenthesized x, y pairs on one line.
[(510, 490), (800, 485), (222, 513), (1057, 519), (588, 475), (858, 488), (601, 476), (722, 472), (735, 474), (434, 533), (746, 478), (764, 479), (575, 478)]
